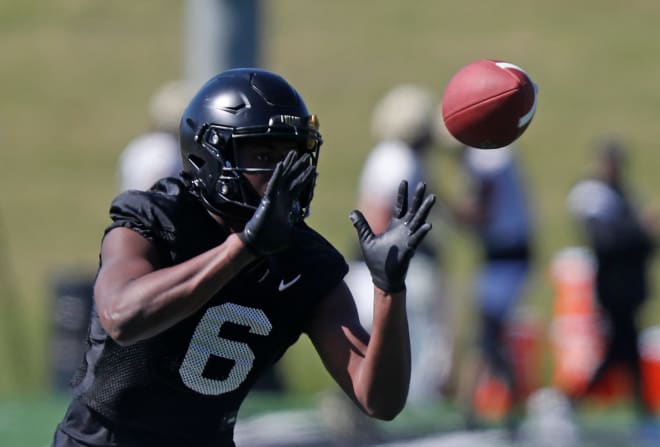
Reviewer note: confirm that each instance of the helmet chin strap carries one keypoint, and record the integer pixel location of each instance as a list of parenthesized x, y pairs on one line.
[(228, 211), (219, 201)]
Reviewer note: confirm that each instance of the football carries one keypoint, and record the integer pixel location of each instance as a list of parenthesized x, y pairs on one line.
[(489, 103)]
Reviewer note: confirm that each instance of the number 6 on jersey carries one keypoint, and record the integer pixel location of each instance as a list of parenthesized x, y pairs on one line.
[(206, 342)]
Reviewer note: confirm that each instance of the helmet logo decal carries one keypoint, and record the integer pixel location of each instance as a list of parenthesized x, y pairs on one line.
[(230, 102)]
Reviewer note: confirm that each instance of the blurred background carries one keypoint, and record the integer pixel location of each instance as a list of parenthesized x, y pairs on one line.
[(77, 78)]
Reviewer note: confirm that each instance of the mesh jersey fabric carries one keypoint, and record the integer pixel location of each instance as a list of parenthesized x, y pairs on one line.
[(190, 380)]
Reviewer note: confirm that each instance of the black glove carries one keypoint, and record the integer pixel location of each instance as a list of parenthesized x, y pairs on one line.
[(269, 229), (388, 254)]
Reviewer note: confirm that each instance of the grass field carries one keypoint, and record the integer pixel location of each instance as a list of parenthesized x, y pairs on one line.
[(30, 422), (76, 77)]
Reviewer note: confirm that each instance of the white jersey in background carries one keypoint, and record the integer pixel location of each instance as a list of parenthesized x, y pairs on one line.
[(387, 164)]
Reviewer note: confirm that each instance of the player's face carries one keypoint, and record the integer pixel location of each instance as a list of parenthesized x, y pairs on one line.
[(261, 155)]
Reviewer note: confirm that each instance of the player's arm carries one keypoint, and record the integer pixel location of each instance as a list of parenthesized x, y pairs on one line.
[(375, 372), (137, 298)]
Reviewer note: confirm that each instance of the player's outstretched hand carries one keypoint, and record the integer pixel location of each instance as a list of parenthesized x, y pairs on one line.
[(269, 229), (388, 254)]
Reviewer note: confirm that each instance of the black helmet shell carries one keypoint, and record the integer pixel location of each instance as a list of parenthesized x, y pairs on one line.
[(235, 104)]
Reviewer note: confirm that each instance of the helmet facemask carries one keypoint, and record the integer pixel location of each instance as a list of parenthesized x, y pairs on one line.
[(224, 189)]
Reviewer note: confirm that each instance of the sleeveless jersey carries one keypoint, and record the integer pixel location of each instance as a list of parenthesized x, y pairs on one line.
[(189, 381)]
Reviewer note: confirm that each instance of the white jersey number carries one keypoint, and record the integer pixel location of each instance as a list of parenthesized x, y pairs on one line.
[(206, 342)]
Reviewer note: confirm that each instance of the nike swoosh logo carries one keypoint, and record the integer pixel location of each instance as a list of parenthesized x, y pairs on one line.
[(283, 286)]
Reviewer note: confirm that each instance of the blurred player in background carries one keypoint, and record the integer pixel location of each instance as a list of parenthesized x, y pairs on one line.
[(156, 154), (404, 124), (206, 280), (497, 209), (623, 241)]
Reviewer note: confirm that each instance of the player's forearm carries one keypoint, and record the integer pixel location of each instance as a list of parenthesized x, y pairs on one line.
[(385, 375), (150, 304)]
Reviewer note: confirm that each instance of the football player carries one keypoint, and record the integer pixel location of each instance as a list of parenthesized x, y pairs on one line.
[(207, 279)]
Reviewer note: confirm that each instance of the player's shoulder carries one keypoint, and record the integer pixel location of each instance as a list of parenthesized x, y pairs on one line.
[(589, 187), (307, 240), (386, 165), (166, 193), (390, 155), (162, 207), (591, 197), (310, 249), (489, 161), (388, 148)]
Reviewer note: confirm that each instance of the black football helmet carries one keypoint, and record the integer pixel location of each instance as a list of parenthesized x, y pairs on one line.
[(240, 104)]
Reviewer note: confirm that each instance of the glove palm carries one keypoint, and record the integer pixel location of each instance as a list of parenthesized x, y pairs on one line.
[(388, 255)]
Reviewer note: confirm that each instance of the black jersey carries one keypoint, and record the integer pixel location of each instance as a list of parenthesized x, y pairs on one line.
[(189, 381)]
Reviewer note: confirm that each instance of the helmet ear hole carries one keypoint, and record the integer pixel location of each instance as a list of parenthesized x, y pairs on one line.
[(196, 161), (191, 124)]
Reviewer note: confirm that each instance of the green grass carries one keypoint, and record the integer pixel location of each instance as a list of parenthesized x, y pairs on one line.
[(76, 77), (30, 421)]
